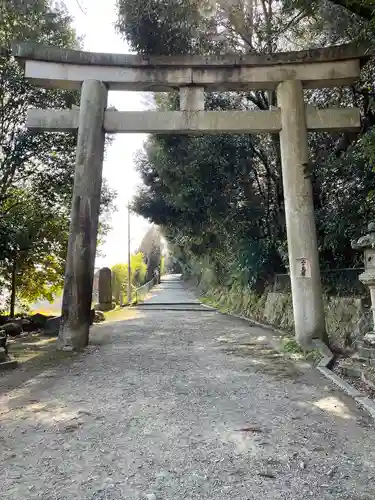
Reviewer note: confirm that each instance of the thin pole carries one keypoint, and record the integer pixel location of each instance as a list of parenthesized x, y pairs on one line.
[(129, 261)]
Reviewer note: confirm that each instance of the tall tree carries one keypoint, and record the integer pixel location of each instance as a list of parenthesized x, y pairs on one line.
[(150, 248), (36, 170)]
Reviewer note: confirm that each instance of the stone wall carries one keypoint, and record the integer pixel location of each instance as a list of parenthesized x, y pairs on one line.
[(278, 310), (347, 307), (346, 317), (343, 315)]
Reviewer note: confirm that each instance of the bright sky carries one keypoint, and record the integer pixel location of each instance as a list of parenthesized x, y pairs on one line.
[(99, 35)]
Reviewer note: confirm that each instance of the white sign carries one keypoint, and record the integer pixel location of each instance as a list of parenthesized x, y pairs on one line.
[(303, 268)]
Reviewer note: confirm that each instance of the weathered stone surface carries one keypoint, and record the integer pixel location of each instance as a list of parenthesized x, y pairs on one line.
[(278, 310), (364, 351), (342, 316), (213, 78), (99, 317), (105, 289), (3, 355), (27, 325), (368, 376), (369, 339), (3, 339), (199, 122), (39, 320), (12, 329), (40, 52), (8, 364), (192, 98), (351, 368), (79, 272), (52, 326), (364, 325), (303, 254)]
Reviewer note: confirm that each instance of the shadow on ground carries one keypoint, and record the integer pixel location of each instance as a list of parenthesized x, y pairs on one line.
[(37, 355)]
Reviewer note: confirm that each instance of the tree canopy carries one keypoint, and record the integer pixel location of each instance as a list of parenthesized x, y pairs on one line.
[(219, 199), (36, 170)]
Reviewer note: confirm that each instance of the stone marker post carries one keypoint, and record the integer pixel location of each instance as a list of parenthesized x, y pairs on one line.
[(79, 270), (299, 213), (105, 289)]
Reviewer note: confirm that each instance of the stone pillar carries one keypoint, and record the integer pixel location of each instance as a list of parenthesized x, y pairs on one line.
[(372, 296), (299, 212), (79, 271), (367, 244), (192, 99), (105, 289)]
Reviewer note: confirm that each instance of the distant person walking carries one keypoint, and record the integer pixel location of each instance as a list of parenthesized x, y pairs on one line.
[(157, 275)]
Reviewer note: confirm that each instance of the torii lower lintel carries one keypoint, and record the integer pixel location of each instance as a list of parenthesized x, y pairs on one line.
[(195, 122)]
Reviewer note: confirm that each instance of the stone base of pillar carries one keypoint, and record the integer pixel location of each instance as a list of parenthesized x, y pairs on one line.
[(73, 339), (105, 307)]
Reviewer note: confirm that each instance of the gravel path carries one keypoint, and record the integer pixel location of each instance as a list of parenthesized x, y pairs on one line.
[(183, 405)]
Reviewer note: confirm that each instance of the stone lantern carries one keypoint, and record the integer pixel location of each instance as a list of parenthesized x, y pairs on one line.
[(367, 244)]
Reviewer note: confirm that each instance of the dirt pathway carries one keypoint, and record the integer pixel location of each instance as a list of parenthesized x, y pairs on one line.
[(182, 405)]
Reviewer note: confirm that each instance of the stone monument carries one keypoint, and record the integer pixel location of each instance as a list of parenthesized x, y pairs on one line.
[(105, 289), (366, 243)]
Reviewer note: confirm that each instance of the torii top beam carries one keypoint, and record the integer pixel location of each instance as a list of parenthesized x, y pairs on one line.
[(53, 67)]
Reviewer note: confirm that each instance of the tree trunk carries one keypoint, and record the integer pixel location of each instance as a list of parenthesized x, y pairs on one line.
[(13, 286)]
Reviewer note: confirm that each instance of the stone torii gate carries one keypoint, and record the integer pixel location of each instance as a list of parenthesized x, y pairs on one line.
[(287, 73)]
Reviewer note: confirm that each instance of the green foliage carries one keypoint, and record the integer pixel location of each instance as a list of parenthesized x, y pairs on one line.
[(170, 27), (162, 265), (34, 258), (291, 346), (43, 280), (119, 281), (150, 247), (196, 187), (139, 269), (36, 170), (235, 299), (120, 275), (219, 199), (343, 202)]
